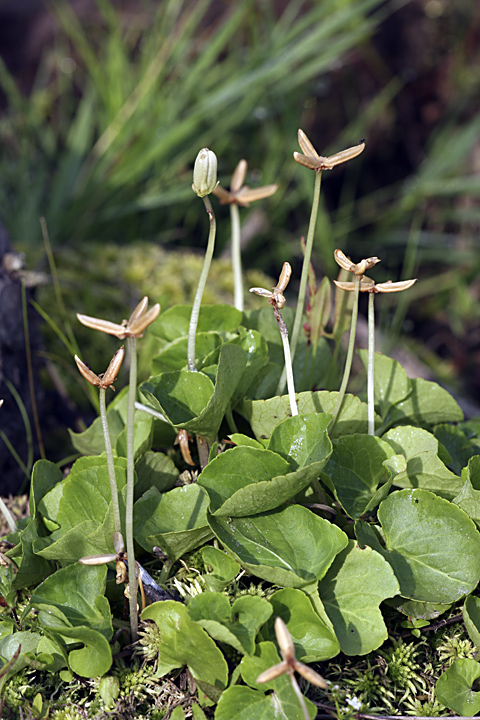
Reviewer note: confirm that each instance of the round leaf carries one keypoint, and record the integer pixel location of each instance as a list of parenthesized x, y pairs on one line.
[(454, 687)]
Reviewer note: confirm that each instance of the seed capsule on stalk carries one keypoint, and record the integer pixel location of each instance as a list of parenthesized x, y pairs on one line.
[(205, 173)]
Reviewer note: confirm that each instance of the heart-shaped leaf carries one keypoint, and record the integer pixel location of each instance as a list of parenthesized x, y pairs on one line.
[(265, 415), (173, 356), (432, 545), (184, 642), (174, 322), (79, 592), (355, 470), (302, 440), (424, 467), (223, 568), (243, 703), (454, 687), (292, 547), (352, 600), (190, 401), (426, 404), (175, 521), (236, 625), (313, 640)]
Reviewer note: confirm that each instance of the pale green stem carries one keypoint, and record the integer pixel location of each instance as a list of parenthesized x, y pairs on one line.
[(288, 368), (288, 360), (236, 258), (371, 364), (201, 286), (8, 516), (132, 576), (298, 693), (349, 358), (110, 465), (302, 291)]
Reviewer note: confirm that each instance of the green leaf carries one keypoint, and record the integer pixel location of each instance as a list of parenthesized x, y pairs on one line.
[(265, 415), (355, 470), (142, 436), (236, 625), (459, 447), (223, 568), (239, 481), (9, 646), (245, 480), (302, 440), (189, 400), (45, 475), (183, 642), (95, 658), (415, 609), (91, 441), (79, 592), (82, 506), (173, 356), (471, 618), (154, 469), (245, 441), (424, 467), (31, 568), (432, 545), (454, 687), (174, 322), (391, 383), (175, 521), (282, 702), (313, 640), (256, 349), (426, 404), (352, 600), (469, 496), (292, 547)]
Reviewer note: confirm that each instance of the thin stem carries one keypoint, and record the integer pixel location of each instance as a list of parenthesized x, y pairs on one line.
[(371, 364), (349, 358), (236, 258), (132, 577), (288, 359), (299, 695), (302, 291), (110, 465), (8, 516), (201, 286), (150, 411)]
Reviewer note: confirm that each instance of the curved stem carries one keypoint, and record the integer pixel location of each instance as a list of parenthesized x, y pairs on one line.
[(201, 286), (302, 291), (371, 364), (298, 693), (110, 465), (132, 576), (349, 358), (236, 258)]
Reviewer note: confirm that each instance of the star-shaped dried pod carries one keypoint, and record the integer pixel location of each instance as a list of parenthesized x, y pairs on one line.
[(136, 325), (368, 285), (275, 295), (240, 194), (314, 161), (106, 379), (289, 663), (355, 268)]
